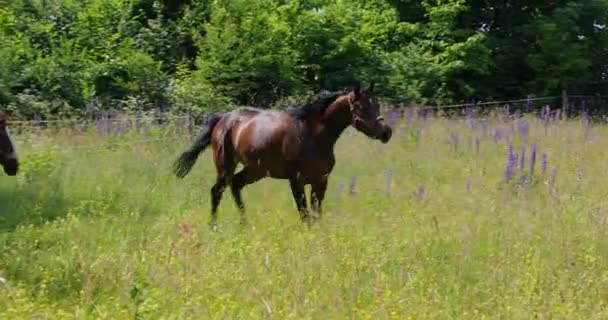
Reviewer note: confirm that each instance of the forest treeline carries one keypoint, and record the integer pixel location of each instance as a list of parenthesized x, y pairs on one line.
[(71, 57)]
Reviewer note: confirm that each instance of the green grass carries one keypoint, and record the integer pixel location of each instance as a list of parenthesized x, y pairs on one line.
[(112, 234)]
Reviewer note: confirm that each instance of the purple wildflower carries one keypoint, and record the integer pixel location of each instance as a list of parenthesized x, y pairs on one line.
[(484, 125), (522, 158), (472, 124), (391, 117), (532, 158), (511, 159), (467, 186), (547, 117), (120, 125), (352, 184), (410, 115), (579, 174), (498, 133), (102, 124), (552, 177), (420, 192), (477, 145), (528, 105), (339, 188), (420, 113), (543, 163), (524, 128)]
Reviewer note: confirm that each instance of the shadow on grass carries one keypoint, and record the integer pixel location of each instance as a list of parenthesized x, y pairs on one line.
[(30, 203)]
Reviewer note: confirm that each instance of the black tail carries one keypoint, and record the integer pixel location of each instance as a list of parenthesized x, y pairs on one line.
[(182, 166)]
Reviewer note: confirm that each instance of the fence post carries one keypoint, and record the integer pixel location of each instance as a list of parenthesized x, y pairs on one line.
[(564, 101)]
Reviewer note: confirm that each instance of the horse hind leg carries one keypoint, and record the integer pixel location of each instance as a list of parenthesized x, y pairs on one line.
[(241, 179), (216, 196), (225, 165)]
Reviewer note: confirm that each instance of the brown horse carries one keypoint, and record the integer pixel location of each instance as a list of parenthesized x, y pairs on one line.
[(8, 156), (297, 145)]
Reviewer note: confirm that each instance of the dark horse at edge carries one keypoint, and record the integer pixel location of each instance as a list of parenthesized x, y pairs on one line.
[(296, 145), (8, 156)]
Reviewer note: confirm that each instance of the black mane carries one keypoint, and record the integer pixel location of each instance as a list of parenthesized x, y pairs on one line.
[(316, 105)]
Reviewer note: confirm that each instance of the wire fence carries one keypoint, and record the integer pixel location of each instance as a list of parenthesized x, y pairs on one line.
[(113, 117), (112, 124)]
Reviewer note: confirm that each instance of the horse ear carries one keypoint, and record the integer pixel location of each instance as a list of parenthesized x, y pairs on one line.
[(2, 119), (371, 87), (357, 89)]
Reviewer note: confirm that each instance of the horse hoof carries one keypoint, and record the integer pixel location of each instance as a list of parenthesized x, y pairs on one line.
[(213, 226)]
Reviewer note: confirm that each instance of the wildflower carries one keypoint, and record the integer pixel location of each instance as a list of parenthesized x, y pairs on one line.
[(511, 158), (522, 158), (543, 163), (102, 124), (477, 145), (420, 193), (420, 113), (391, 117), (547, 117), (524, 128), (339, 188), (552, 177), (410, 115), (484, 126), (498, 134), (120, 125)]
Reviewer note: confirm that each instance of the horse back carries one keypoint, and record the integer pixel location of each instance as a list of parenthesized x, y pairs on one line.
[(261, 135)]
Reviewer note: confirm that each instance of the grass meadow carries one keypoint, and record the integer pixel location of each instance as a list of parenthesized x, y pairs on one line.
[(440, 223)]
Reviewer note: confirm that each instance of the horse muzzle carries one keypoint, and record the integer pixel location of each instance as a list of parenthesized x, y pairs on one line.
[(386, 134)]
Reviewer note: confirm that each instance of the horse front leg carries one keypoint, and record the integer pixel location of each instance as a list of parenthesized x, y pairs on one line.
[(317, 194), (297, 189)]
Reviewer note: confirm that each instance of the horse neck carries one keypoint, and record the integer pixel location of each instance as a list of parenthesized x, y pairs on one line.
[(335, 120)]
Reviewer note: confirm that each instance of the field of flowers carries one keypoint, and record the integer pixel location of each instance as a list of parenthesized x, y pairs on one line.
[(499, 216)]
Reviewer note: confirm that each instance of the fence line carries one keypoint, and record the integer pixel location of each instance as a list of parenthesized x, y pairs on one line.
[(102, 146), (487, 103), (172, 116)]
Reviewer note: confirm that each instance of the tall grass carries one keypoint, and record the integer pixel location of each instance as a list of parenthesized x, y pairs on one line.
[(432, 230)]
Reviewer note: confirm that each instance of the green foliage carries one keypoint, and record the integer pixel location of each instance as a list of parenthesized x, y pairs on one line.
[(246, 53), (71, 57)]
